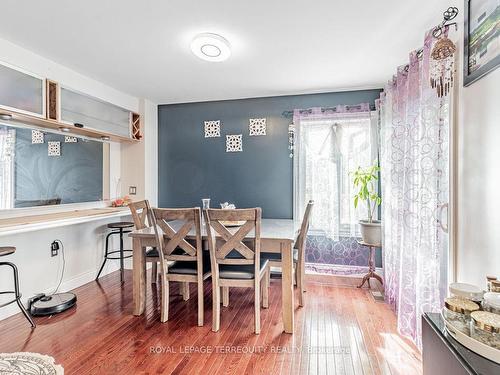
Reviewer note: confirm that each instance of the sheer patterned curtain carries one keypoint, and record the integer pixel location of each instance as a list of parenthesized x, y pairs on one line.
[(414, 125), (330, 145), (7, 144)]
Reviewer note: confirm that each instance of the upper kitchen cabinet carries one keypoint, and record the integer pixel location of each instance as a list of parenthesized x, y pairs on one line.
[(30, 100), (80, 109), (21, 91)]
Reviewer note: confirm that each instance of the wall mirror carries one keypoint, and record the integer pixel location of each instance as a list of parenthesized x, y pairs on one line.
[(40, 168)]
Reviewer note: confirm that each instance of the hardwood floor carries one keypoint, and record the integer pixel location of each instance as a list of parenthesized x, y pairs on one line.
[(340, 330)]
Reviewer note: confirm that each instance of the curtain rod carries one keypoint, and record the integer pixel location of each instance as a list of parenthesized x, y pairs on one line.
[(289, 114), (448, 15)]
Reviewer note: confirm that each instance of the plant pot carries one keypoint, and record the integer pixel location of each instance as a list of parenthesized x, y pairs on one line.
[(371, 232)]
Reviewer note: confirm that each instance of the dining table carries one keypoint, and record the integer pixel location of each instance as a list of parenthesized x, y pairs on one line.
[(277, 236)]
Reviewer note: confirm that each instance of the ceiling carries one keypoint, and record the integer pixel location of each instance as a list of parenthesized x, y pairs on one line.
[(278, 47)]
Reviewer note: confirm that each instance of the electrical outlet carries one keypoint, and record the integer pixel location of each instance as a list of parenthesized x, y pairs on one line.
[(132, 190), (54, 248)]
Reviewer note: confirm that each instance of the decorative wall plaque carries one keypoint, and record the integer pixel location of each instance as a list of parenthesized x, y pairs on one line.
[(54, 148), (37, 136), (234, 143), (212, 129), (257, 126)]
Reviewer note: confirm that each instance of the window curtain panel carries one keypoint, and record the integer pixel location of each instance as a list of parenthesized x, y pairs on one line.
[(331, 144), (414, 127)]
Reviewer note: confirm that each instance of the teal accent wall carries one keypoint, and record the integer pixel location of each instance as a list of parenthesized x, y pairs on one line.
[(192, 167)]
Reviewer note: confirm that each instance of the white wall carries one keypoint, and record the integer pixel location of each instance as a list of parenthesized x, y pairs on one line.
[(84, 243), (151, 151), (478, 131), (478, 252), (39, 272)]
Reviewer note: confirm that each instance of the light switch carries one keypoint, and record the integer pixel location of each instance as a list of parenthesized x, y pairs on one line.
[(132, 190)]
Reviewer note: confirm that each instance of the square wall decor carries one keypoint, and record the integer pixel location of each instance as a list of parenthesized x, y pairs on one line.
[(212, 129), (36, 136), (54, 148), (234, 143), (70, 139), (257, 126)]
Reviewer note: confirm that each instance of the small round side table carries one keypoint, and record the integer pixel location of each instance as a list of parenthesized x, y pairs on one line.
[(371, 265)]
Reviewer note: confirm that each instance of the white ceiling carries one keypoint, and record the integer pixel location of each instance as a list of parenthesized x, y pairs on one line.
[(279, 47)]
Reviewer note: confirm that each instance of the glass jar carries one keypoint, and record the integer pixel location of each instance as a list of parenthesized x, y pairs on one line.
[(457, 312), (489, 279), (466, 291), (491, 302), (495, 286), (485, 328)]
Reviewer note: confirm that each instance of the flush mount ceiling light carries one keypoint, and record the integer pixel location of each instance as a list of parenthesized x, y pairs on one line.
[(211, 47)]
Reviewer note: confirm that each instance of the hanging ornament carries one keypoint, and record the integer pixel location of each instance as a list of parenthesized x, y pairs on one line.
[(291, 139), (442, 63)]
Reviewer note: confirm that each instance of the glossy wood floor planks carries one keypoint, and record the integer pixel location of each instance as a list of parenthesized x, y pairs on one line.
[(340, 330)]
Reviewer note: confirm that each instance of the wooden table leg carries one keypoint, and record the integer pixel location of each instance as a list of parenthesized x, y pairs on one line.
[(139, 277), (287, 286)]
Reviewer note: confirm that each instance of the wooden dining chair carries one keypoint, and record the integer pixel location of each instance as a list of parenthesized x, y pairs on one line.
[(298, 254), (188, 261), (141, 215), (235, 258)]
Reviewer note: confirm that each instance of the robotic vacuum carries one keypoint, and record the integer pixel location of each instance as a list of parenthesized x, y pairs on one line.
[(42, 305)]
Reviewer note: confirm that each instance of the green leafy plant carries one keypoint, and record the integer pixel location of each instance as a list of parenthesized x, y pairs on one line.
[(365, 181)]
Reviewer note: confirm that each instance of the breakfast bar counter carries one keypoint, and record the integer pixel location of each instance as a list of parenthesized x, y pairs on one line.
[(27, 223)]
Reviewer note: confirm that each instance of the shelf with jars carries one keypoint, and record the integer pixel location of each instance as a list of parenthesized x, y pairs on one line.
[(472, 317)]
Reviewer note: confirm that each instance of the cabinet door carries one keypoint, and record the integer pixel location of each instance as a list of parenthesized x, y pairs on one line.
[(78, 108), (21, 91)]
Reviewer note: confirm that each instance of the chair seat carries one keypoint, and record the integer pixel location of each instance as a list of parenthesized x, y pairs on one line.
[(277, 256), (188, 268), (6, 250), (121, 225), (244, 271)]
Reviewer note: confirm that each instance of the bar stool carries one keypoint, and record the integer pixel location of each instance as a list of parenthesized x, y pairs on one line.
[(7, 250), (118, 228)]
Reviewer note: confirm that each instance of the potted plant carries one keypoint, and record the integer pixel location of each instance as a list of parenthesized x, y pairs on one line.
[(365, 182)]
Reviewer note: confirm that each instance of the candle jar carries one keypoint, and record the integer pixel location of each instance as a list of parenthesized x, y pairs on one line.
[(495, 286), (489, 279), (466, 291), (485, 328), (457, 312)]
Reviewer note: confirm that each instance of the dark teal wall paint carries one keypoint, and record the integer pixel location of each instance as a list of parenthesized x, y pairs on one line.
[(192, 167)]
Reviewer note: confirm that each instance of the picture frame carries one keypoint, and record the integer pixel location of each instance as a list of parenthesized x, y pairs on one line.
[(481, 45)]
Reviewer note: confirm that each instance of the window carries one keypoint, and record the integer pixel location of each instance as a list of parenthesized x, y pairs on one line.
[(328, 150), (30, 177)]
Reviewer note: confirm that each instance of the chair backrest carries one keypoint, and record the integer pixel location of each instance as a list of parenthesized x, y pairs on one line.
[(172, 226), (304, 228), (141, 214), (222, 240)]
